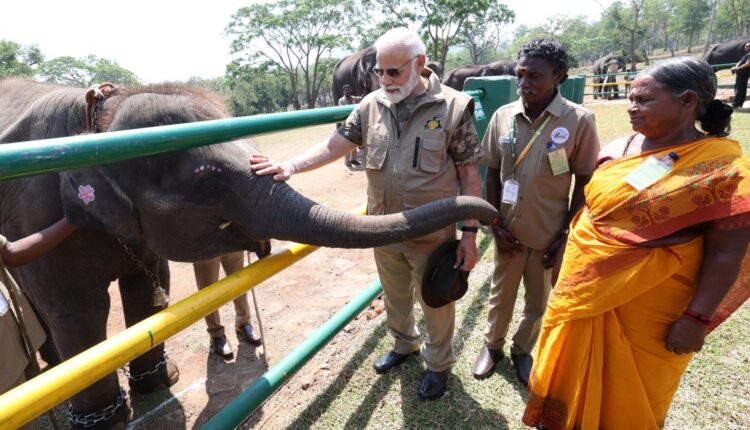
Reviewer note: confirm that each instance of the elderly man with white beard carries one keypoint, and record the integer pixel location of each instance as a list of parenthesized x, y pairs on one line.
[(420, 145)]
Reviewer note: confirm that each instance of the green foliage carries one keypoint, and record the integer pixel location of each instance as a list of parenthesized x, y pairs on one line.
[(83, 72), (482, 31), (294, 36), (18, 61), (255, 90), (442, 23)]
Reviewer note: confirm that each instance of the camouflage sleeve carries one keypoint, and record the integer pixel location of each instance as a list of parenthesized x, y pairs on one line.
[(351, 130), (464, 147)]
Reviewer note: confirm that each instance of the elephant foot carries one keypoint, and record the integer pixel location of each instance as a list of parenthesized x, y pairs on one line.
[(112, 417), (165, 373)]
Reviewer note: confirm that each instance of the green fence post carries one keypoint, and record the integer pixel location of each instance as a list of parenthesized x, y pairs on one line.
[(498, 91), (572, 89)]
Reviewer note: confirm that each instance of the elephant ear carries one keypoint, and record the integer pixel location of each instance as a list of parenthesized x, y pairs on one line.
[(93, 198)]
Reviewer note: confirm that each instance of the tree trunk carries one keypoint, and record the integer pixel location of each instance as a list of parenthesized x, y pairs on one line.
[(710, 27), (690, 40)]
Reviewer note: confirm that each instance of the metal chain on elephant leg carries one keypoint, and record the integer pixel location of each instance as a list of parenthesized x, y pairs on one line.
[(142, 375), (94, 418), (160, 298)]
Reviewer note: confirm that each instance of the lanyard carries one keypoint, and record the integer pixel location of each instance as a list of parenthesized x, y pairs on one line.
[(528, 145)]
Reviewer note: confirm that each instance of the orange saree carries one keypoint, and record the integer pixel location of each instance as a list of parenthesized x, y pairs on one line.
[(601, 361)]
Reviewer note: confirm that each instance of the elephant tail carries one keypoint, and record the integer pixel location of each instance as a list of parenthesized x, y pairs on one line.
[(307, 222)]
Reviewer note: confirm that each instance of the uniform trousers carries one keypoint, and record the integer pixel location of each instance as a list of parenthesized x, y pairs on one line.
[(401, 276), (506, 278), (206, 273)]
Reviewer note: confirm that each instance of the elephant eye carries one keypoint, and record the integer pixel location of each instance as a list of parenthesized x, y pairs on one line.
[(211, 186)]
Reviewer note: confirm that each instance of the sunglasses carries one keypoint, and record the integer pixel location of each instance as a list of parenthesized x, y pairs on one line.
[(393, 72)]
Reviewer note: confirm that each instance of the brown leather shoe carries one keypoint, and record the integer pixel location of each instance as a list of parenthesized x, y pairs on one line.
[(221, 347), (247, 333), (486, 361)]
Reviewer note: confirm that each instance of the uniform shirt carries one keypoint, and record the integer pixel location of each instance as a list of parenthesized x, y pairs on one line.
[(463, 146), (13, 357), (541, 209)]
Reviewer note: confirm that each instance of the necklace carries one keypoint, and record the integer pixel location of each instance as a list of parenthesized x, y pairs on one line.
[(632, 137)]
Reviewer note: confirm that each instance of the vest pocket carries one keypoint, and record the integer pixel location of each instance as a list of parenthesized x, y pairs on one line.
[(377, 149), (431, 154)]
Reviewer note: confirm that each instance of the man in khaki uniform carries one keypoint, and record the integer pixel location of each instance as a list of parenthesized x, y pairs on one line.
[(533, 148), (206, 273), (420, 145)]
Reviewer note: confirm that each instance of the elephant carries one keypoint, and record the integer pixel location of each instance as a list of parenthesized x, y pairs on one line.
[(436, 67), (608, 64), (128, 214), (726, 53), (455, 78), (355, 70)]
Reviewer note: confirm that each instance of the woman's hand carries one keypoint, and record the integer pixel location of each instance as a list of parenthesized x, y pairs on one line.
[(263, 165), (685, 335)]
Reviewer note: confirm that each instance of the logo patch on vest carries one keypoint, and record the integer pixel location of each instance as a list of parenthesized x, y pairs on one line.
[(434, 123)]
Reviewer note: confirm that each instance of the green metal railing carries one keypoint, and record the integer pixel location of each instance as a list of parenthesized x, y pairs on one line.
[(53, 155), (236, 412)]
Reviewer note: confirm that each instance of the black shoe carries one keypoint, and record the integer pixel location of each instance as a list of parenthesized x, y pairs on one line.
[(433, 385), (247, 333), (220, 346), (522, 363), (486, 361), (389, 361)]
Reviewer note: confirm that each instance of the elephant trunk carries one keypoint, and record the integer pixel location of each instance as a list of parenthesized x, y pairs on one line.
[(305, 221)]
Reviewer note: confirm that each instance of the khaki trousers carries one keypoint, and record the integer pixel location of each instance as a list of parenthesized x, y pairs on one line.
[(506, 278), (401, 275), (206, 273)]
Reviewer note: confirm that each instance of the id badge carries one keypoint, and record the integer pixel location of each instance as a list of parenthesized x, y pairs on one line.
[(558, 159), (510, 192), (3, 305), (647, 173)]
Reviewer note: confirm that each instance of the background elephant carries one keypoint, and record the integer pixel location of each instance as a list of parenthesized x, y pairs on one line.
[(355, 70), (436, 67), (607, 64), (455, 78), (726, 53), (128, 209)]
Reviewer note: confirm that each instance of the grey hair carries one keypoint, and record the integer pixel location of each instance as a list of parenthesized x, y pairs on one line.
[(681, 74), (401, 36)]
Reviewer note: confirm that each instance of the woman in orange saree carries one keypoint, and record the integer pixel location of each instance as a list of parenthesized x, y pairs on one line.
[(649, 269)]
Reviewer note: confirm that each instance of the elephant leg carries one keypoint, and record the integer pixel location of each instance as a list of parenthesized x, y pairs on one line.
[(616, 92), (77, 326), (151, 369)]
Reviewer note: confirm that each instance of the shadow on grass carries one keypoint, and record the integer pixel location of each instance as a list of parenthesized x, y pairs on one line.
[(377, 391)]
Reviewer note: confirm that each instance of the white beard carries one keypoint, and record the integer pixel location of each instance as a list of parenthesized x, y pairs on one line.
[(403, 90)]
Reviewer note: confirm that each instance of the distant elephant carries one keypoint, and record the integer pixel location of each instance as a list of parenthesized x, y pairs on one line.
[(455, 78), (608, 64), (436, 67), (355, 70), (188, 205), (726, 53)]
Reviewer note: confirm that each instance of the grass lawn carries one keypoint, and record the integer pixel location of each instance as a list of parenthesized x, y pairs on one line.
[(714, 393)]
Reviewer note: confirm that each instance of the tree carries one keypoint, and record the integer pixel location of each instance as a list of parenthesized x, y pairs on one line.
[(257, 89), (739, 10), (294, 36), (439, 21), (690, 16), (627, 21), (482, 31), (18, 61), (84, 72)]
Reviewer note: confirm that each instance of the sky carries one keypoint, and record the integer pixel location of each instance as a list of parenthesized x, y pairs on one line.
[(162, 40)]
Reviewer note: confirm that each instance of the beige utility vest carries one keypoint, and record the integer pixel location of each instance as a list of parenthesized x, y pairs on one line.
[(410, 167)]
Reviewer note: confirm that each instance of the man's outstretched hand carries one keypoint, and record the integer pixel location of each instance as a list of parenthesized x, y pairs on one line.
[(263, 165)]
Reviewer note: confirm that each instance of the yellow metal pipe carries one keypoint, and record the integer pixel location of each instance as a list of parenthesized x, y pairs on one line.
[(31, 399)]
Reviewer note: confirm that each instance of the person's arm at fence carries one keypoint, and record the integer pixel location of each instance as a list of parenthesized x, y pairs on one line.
[(27, 249)]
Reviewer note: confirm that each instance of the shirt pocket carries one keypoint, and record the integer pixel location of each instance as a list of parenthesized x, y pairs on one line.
[(377, 149), (432, 152)]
